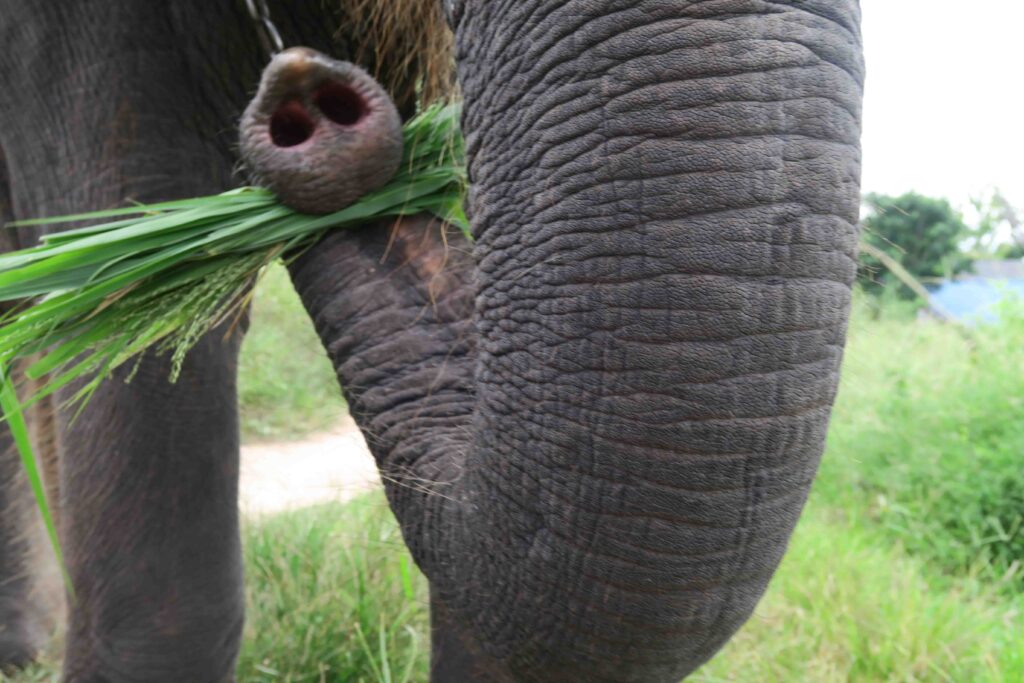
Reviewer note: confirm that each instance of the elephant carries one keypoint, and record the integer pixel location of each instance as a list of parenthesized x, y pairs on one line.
[(599, 420)]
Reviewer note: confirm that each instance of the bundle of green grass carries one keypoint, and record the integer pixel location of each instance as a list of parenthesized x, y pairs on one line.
[(160, 276)]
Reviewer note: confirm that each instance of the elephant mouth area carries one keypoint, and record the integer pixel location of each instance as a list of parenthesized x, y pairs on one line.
[(291, 125), (340, 103)]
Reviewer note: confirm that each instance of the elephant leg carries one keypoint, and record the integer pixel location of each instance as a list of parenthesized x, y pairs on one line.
[(137, 102), (26, 596), (20, 632), (30, 589), (149, 476), (147, 505), (30, 586)]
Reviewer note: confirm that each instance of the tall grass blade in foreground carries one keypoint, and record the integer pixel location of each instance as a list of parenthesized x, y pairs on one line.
[(162, 275)]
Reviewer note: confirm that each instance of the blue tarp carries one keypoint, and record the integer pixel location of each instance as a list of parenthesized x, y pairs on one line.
[(974, 298)]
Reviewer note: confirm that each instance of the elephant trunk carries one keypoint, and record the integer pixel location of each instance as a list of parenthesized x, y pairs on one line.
[(599, 472)]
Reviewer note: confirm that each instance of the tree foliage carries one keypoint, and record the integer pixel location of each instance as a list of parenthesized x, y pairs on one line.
[(1009, 251), (997, 218), (922, 233)]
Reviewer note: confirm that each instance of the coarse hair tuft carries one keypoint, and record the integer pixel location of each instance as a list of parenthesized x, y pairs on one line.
[(406, 45)]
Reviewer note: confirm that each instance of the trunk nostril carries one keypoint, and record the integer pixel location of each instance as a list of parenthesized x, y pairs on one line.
[(290, 125), (320, 133), (340, 103)]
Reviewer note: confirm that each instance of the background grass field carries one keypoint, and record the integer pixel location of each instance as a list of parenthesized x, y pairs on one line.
[(907, 565), (286, 386)]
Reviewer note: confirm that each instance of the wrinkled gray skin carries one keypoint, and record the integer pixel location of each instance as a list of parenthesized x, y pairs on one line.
[(600, 421)]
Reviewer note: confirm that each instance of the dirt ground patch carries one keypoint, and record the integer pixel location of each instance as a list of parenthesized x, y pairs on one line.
[(332, 466)]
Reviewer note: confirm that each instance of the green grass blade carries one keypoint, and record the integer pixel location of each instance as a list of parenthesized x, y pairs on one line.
[(19, 432), (241, 196)]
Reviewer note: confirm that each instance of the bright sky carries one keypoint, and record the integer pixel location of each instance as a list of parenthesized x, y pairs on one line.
[(944, 101)]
